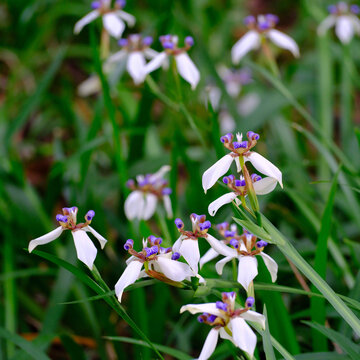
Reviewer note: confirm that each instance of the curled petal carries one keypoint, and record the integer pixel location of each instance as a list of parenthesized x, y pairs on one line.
[(209, 308), (189, 249), (156, 62), (113, 25), (220, 247), (264, 166), (88, 18), (253, 316), (129, 276), (250, 41), (222, 200), (265, 185), (136, 66), (150, 206), (187, 69), (344, 29), (326, 24), (49, 237), (271, 265), (101, 239), (243, 336), (209, 345), (85, 249), (134, 205), (284, 41), (247, 270), (220, 264), (212, 174), (128, 18), (173, 270), (208, 256), (168, 207)]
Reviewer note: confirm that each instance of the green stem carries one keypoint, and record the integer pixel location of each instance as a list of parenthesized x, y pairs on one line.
[(270, 58)]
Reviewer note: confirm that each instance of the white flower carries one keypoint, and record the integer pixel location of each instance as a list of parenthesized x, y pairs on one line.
[(85, 249), (113, 19), (142, 202), (160, 263), (228, 323), (261, 29), (242, 248), (240, 148), (185, 66), (344, 18)]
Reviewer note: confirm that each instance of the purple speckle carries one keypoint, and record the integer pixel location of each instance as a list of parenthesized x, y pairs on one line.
[(252, 136), (226, 180), (231, 177), (129, 244), (211, 318), (227, 138), (130, 183), (164, 38), (221, 306), (274, 19), (234, 243), (189, 41), (242, 144), (229, 233), (255, 177), (121, 3), (205, 225), (166, 191), (249, 302), (261, 244), (332, 9), (179, 223), (200, 318), (264, 25), (168, 45), (222, 226), (90, 214), (122, 43), (249, 20), (175, 256), (61, 218), (355, 9), (148, 40), (95, 5)]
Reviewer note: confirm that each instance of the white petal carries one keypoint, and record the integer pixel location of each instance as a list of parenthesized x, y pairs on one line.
[(265, 185), (250, 41), (51, 236), (209, 308), (254, 317), (128, 18), (220, 247), (209, 345), (264, 166), (243, 336), (155, 63), (284, 41), (225, 335), (174, 270), (344, 29), (168, 207), (189, 249), (326, 24), (150, 206), (208, 256), (177, 244), (150, 53), (160, 173), (136, 66), (129, 276), (221, 201), (130, 259), (247, 270), (220, 264), (88, 18), (271, 265), (187, 69), (113, 25), (117, 57), (85, 249), (101, 239), (134, 205), (356, 23), (212, 174), (90, 86)]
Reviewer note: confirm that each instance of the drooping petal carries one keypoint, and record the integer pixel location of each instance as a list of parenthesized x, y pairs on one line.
[(117, 57), (129, 276), (254, 316), (51, 236), (134, 205), (212, 174), (189, 249), (113, 25), (220, 247), (344, 29), (220, 264), (101, 239), (187, 69), (250, 41), (283, 41), (136, 66), (168, 207), (247, 270), (221, 201), (177, 244), (88, 18), (271, 265), (85, 249), (209, 308), (174, 270), (208, 256), (264, 166), (326, 24), (128, 18), (155, 63), (150, 206), (209, 345), (243, 336), (265, 185)]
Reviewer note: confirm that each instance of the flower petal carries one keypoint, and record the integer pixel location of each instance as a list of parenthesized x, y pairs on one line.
[(150, 206), (174, 270), (264, 166), (160, 173), (254, 316), (88, 18), (134, 205), (85, 249), (128, 18), (168, 207), (284, 41), (150, 53), (189, 249), (225, 335), (250, 41), (326, 24), (247, 270), (209, 344), (243, 336), (155, 63), (220, 264), (271, 265), (187, 69), (356, 23), (101, 239), (212, 174), (208, 256), (135, 66), (220, 247), (90, 86), (219, 202), (117, 57), (209, 308), (265, 185), (344, 29), (129, 276), (49, 237), (113, 25)]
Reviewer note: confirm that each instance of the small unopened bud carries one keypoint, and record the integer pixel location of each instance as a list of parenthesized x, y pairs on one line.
[(179, 223), (129, 244), (249, 302)]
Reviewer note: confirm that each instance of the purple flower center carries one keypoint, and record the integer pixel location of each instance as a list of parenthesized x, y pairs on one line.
[(249, 302), (175, 256)]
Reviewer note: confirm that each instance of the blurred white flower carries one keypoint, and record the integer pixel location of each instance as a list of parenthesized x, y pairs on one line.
[(240, 148), (344, 18), (261, 29), (185, 66), (142, 202), (85, 249), (228, 323), (113, 19)]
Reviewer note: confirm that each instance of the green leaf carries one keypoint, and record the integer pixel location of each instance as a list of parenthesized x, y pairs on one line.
[(269, 351)]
